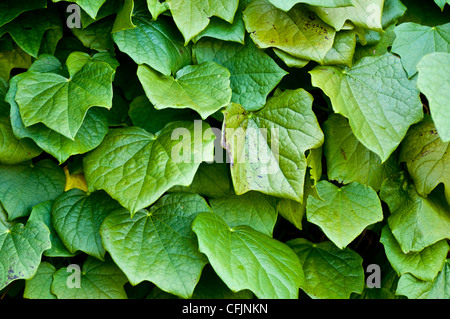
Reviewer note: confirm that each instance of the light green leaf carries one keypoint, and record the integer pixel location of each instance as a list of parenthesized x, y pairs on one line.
[(350, 161), (158, 244), (414, 288), (252, 209), (330, 273), (21, 248), (247, 259), (267, 147), (91, 7), (427, 157), (290, 60), (89, 136), (136, 167), (9, 9), (124, 18), (29, 28), (414, 41), (193, 16), (204, 88), (60, 103), (155, 43), (77, 217), (287, 5), (43, 213), (39, 286), (376, 96), (99, 280), (341, 53), (343, 213), (25, 185), (434, 82), (253, 73), (442, 3), (365, 14), (423, 265), (298, 32), (416, 222), (156, 7)]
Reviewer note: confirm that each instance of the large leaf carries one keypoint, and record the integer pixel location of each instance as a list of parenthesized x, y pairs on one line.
[(427, 157), (155, 43), (77, 217), (12, 56), (204, 88), (136, 167), (414, 41), (98, 280), (267, 147), (9, 9), (343, 213), (434, 82), (364, 13), (158, 244), (21, 248), (286, 5), (423, 265), (192, 16), (29, 28), (376, 96), (247, 259), (298, 32), (25, 185), (253, 209), (414, 288), (416, 222), (330, 273), (60, 103), (348, 160), (253, 73)]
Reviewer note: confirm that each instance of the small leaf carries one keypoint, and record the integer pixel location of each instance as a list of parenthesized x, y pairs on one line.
[(39, 286)]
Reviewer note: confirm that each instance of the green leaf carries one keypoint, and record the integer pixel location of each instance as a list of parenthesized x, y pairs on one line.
[(91, 7), (155, 43), (298, 32), (97, 36), (77, 217), (156, 7), (11, 57), (204, 88), (427, 157), (43, 213), (9, 9), (416, 222), (60, 103), (348, 160), (267, 147), (88, 137), (253, 73), (376, 96), (158, 244), (98, 280), (136, 167), (21, 248), (29, 28), (366, 14), (193, 16), (124, 17), (442, 3), (25, 185), (343, 213), (330, 273), (144, 114), (287, 5), (434, 82), (39, 286), (415, 288), (414, 41), (341, 53), (423, 265), (252, 209), (247, 259)]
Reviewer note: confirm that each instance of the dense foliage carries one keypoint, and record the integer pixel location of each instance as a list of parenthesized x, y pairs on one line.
[(224, 149)]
